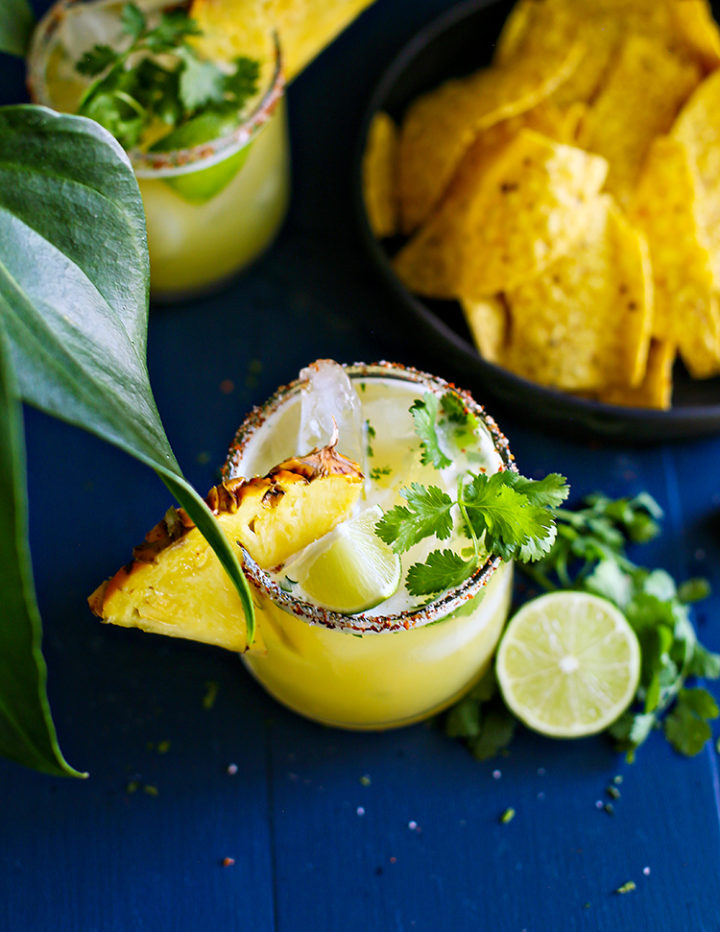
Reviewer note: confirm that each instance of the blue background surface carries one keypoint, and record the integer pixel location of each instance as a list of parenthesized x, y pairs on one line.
[(316, 845)]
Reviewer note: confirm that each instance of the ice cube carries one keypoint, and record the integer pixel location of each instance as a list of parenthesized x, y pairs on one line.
[(327, 396), (87, 26)]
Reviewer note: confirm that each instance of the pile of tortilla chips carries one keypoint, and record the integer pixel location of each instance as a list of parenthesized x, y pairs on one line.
[(568, 196)]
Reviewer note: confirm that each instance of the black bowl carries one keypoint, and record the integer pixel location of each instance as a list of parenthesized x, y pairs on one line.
[(459, 42)]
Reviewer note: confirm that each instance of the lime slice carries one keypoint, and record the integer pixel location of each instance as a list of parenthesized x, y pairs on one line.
[(568, 664), (200, 186), (350, 569)]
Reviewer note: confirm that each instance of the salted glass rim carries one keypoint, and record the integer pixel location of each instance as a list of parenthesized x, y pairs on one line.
[(361, 623), (177, 161)]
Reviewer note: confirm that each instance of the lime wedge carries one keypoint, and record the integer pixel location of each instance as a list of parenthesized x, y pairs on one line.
[(568, 664), (200, 186), (350, 569)]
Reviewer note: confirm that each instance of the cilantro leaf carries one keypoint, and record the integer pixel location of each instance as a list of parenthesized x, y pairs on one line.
[(454, 408), (463, 720), (243, 81), (174, 27), (201, 82), (481, 720), (461, 424), (612, 582), (694, 590), (425, 413), (511, 526), (686, 727), (443, 569), (96, 60), (551, 491), (427, 514), (497, 729), (704, 663), (133, 20), (630, 730)]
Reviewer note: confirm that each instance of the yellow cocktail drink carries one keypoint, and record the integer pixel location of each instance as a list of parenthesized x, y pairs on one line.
[(212, 205), (406, 657)]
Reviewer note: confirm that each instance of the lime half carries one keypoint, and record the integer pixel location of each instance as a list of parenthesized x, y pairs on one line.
[(202, 185), (350, 569), (568, 664)]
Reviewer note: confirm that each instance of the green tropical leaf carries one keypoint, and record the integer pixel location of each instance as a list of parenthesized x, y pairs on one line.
[(27, 734), (74, 279), (16, 25)]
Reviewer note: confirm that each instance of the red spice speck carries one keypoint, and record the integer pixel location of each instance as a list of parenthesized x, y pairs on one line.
[(227, 386), (228, 862), (393, 860)]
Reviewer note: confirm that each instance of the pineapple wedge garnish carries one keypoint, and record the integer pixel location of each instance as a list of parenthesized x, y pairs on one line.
[(239, 27), (175, 584)]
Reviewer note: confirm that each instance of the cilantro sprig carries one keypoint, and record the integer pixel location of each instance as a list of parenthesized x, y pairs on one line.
[(158, 78), (590, 554), (503, 515)]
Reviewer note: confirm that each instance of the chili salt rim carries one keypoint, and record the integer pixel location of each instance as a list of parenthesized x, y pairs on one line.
[(363, 623), (177, 161)]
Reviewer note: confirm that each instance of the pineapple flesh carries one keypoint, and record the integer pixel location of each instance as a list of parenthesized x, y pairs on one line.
[(175, 584)]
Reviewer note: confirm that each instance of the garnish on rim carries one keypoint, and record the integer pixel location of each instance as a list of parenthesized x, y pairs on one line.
[(504, 514), (159, 79)]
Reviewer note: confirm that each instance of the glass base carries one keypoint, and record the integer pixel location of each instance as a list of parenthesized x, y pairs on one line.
[(378, 726)]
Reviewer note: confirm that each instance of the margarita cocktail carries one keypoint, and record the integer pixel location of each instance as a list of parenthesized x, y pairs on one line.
[(404, 658), (215, 188)]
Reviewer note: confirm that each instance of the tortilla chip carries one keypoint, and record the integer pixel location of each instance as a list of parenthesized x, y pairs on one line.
[(526, 213), (572, 116), (655, 390), (440, 126), (585, 323), (640, 98), (430, 264), (488, 323), (379, 175), (698, 30), (665, 208), (698, 127), (601, 26)]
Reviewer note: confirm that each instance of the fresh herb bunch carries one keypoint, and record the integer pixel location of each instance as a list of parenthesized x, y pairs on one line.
[(159, 78), (590, 554), (503, 515)]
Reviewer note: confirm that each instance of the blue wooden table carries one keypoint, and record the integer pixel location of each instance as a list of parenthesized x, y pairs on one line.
[(191, 763)]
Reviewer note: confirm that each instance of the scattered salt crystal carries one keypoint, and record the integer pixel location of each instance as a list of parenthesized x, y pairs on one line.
[(360, 811), (646, 871), (232, 769), (496, 774), (412, 825), (599, 803)]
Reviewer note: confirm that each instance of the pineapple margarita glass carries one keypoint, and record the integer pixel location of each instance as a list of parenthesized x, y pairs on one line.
[(339, 637), (215, 192)]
